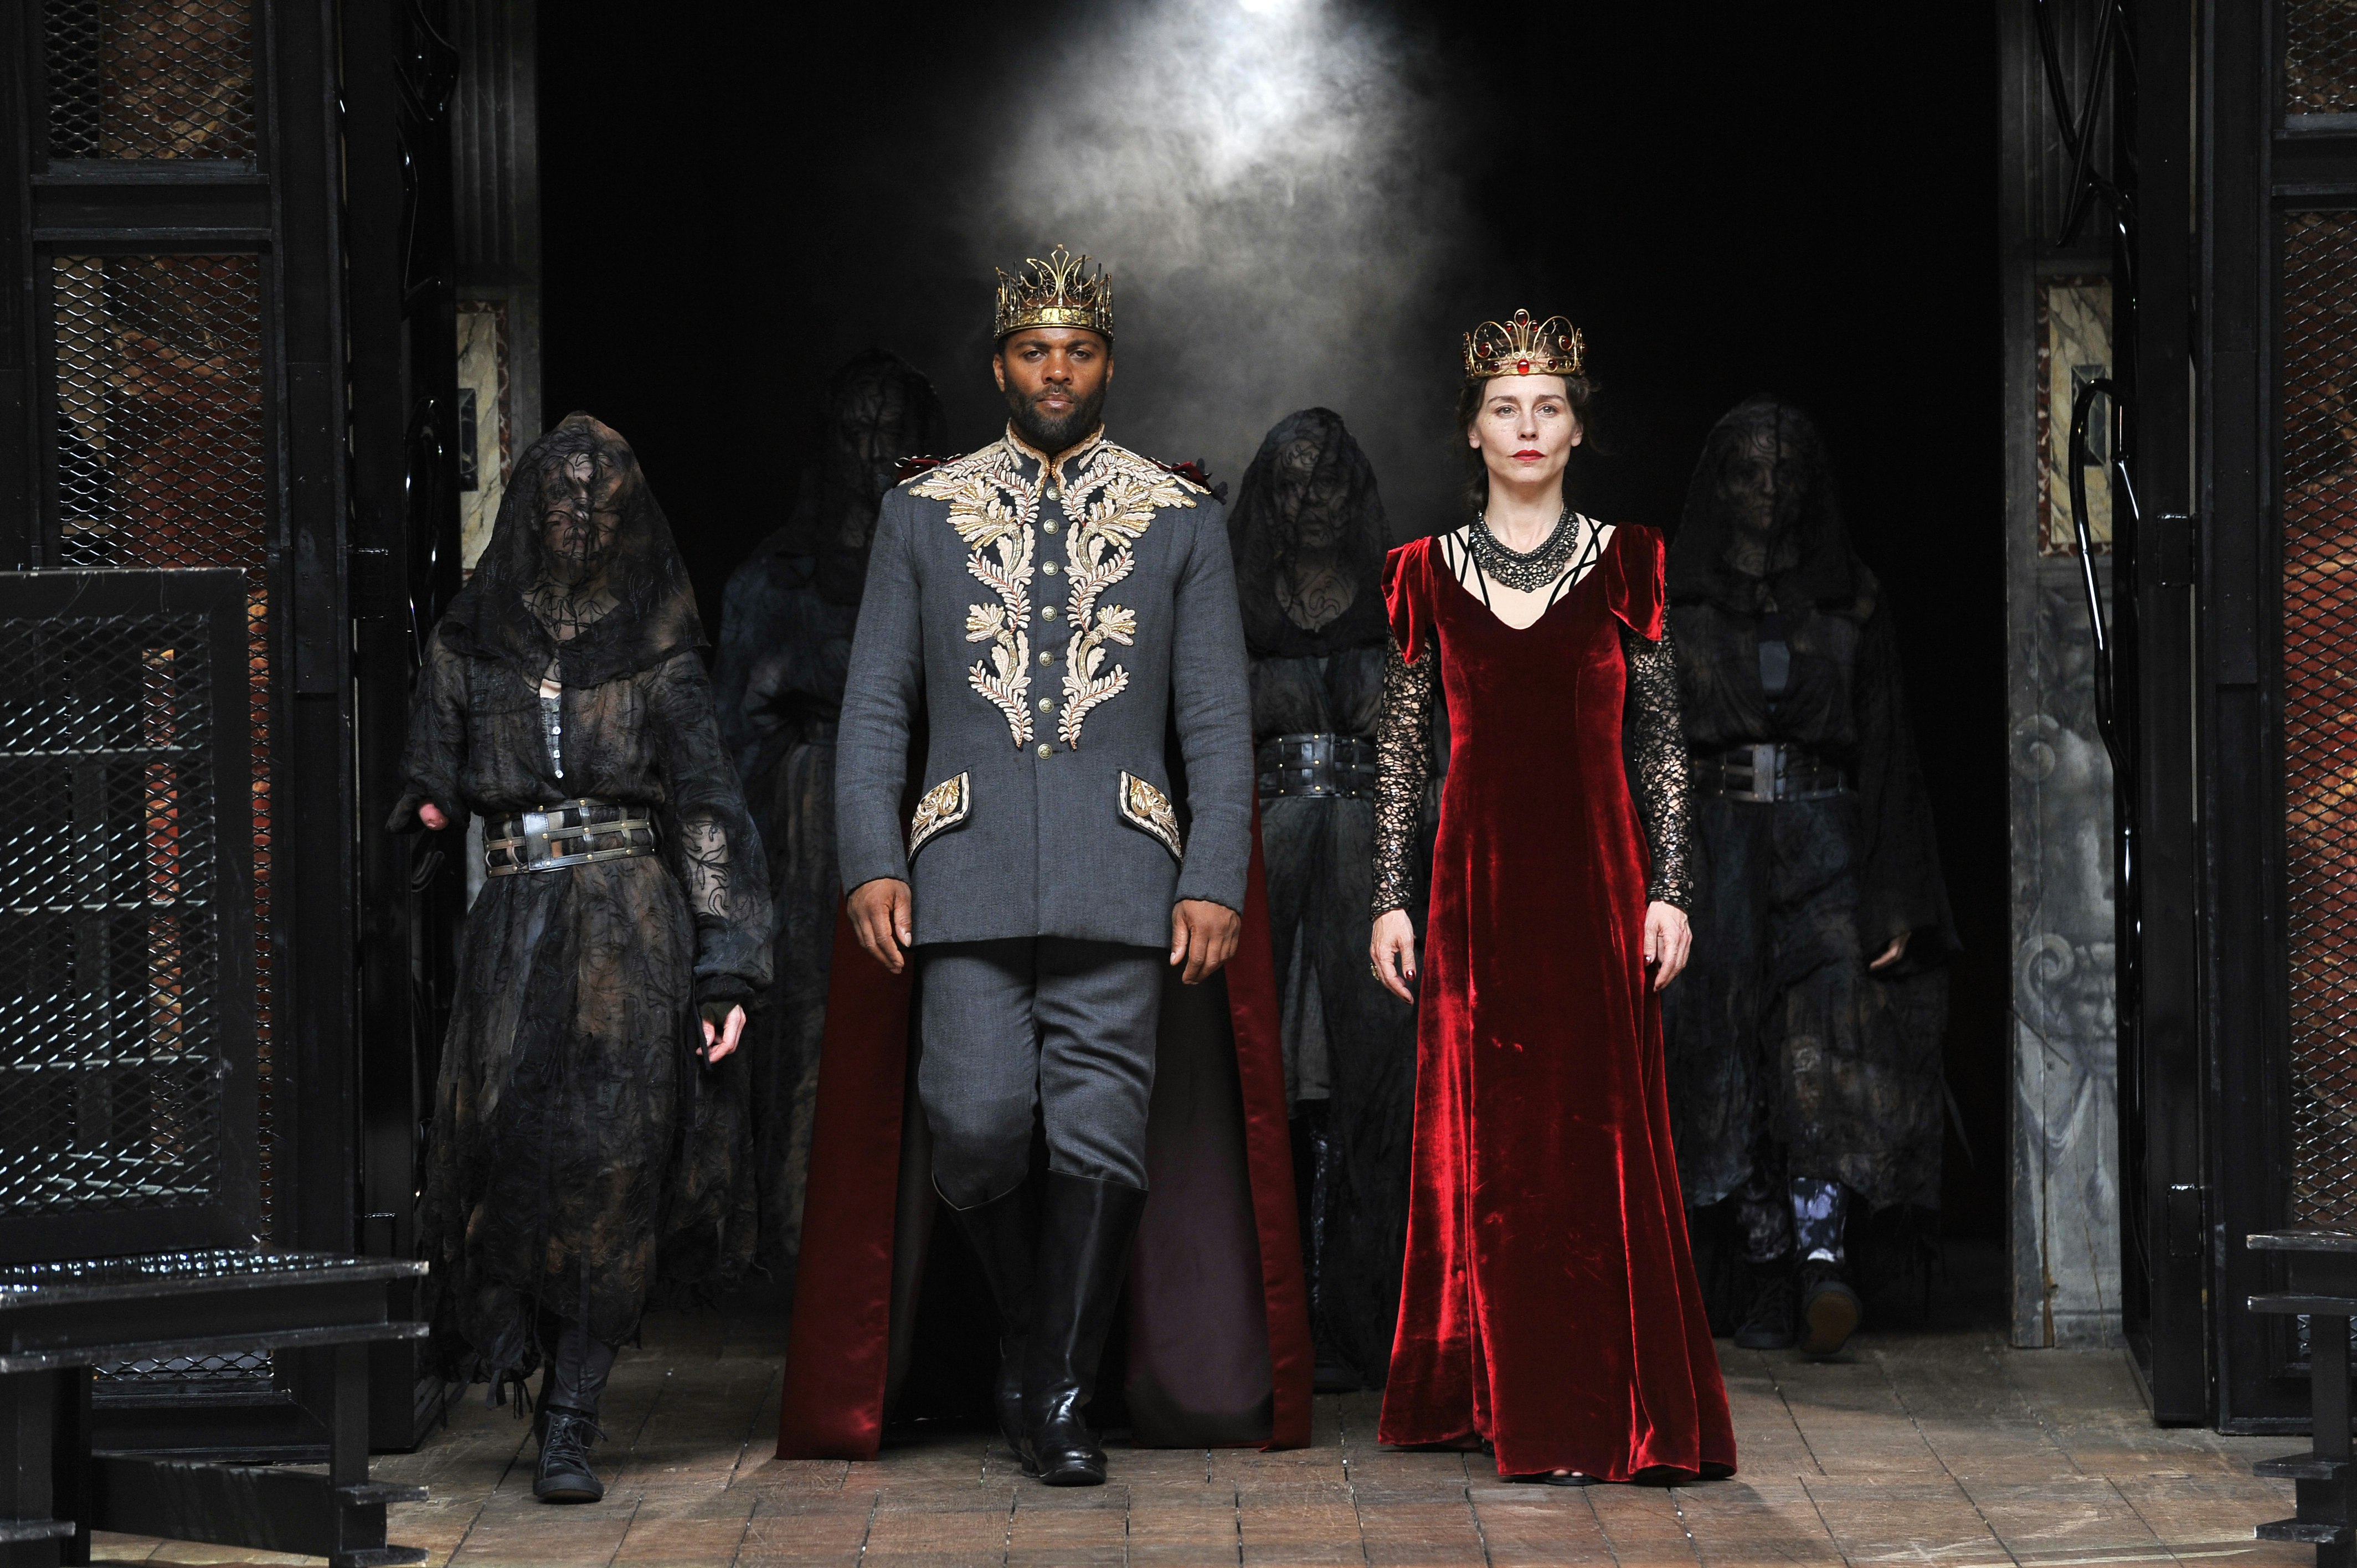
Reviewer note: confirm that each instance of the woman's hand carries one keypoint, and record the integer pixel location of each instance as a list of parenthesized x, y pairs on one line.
[(1894, 952), (1392, 952), (718, 1042), (1668, 941), (431, 815)]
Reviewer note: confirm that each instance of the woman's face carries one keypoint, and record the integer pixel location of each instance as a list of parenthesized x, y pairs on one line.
[(1526, 429)]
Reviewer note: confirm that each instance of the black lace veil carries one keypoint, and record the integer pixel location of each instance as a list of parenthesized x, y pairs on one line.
[(879, 411), (614, 573), (1764, 517), (1308, 535)]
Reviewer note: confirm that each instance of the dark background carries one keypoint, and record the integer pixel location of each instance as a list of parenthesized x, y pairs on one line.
[(1727, 200)]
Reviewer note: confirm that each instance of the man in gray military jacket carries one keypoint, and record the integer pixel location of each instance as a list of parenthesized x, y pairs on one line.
[(1055, 606)]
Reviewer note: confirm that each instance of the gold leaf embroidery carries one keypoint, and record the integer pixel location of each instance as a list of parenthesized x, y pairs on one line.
[(992, 507), (1111, 499), (943, 807), (1143, 806)]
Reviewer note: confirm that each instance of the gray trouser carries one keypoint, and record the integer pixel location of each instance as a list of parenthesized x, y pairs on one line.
[(1048, 1023)]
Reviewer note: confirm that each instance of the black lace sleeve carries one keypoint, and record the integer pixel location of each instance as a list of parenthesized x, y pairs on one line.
[(1658, 771), (709, 837), (1403, 756)]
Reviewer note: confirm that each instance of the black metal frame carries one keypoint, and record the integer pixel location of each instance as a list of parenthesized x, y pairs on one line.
[(346, 204), (2206, 1043), (233, 1216)]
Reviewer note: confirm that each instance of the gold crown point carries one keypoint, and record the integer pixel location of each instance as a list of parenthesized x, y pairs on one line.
[(1055, 291), (1520, 347)]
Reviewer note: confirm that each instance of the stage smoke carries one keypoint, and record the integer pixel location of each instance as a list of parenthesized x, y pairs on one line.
[(1273, 192)]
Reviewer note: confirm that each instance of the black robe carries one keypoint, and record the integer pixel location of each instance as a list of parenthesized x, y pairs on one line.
[(581, 1148)]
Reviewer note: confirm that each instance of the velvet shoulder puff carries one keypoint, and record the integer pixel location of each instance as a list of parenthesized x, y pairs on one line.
[(1636, 581), (1407, 595)]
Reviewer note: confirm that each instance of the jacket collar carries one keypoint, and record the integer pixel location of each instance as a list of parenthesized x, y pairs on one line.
[(1062, 460)]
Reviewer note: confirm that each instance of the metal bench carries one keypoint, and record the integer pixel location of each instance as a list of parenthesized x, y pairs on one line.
[(315, 1314), (2321, 1269)]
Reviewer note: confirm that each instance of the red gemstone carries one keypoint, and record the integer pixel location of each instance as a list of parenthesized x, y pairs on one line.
[(1521, 367)]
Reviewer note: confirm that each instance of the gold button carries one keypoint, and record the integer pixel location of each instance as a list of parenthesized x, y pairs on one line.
[(1047, 705), (1047, 750), (1047, 659), (1048, 567), (1048, 526), (1047, 612)]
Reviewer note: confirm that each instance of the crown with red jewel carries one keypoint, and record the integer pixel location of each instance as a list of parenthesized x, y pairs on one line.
[(1055, 293), (1517, 347)]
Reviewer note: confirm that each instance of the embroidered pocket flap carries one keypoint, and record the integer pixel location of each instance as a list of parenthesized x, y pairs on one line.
[(1147, 808), (943, 807)]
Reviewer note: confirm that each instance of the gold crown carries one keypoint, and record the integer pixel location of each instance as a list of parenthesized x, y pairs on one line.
[(1516, 348), (1054, 292)]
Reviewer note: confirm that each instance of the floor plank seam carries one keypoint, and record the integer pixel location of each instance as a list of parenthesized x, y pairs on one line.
[(1882, 1365), (1819, 1509), (1473, 1511), (1685, 1524), (1603, 1531), (1792, 1416)]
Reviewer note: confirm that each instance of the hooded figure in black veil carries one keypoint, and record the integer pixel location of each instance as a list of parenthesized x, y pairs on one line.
[(589, 1129), (1802, 1044), (1308, 536), (785, 643)]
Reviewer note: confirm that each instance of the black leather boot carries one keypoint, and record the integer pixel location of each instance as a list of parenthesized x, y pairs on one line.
[(1000, 1234), (1829, 1309), (568, 1417), (1085, 1230)]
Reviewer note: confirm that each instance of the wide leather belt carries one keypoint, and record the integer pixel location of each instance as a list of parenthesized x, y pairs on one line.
[(1340, 765), (570, 833), (1768, 773)]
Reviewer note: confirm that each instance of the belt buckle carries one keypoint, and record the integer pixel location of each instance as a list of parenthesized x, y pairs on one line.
[(536, 827), (1767, 772)]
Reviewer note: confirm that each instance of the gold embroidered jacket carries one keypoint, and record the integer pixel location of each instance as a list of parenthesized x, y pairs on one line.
[(1054, 625)]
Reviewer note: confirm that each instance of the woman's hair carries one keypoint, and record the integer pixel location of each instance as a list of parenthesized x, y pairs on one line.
[(1578, 391)]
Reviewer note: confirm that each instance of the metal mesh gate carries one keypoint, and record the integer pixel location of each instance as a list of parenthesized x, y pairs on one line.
[(110, 1033), (149, 78), (2321, 57), (163, 461), (2320, 706)]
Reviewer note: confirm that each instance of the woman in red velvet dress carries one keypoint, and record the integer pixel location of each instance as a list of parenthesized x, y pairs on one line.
[(1548, 1309)]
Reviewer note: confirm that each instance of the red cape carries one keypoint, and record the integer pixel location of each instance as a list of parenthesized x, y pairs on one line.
[(1215, 1284)]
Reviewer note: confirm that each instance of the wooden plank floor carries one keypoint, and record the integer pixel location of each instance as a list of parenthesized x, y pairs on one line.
[(1937, 1447)]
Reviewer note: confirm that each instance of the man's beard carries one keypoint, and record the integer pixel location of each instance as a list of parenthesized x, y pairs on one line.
[(1055, 436)]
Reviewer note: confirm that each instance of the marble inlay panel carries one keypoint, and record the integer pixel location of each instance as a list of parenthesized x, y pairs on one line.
[(2074, 347)]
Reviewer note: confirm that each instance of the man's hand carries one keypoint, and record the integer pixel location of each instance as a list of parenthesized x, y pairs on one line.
[(1203, 937), (1894, 952), (431, 815), (1668, 941), (719, 1040), (1391, 952), (879, 917)]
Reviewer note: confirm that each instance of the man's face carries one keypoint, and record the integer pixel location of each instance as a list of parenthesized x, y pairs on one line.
[(1055, 380), (579, 519), (1310, 500)]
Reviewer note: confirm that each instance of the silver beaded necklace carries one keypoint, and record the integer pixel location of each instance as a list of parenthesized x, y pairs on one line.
[(1523, 572)]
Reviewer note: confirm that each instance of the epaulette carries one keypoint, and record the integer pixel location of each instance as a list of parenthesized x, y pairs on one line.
[(1197, 475), (913, 467)]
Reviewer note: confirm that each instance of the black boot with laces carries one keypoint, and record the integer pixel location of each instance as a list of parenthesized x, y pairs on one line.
[(1769, 1325), (565, 1476)]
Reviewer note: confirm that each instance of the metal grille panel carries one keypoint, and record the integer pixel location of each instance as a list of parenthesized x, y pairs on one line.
[(163, 461), (2321, 57), (150, 78), (109, 1035), (2320, 706)]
